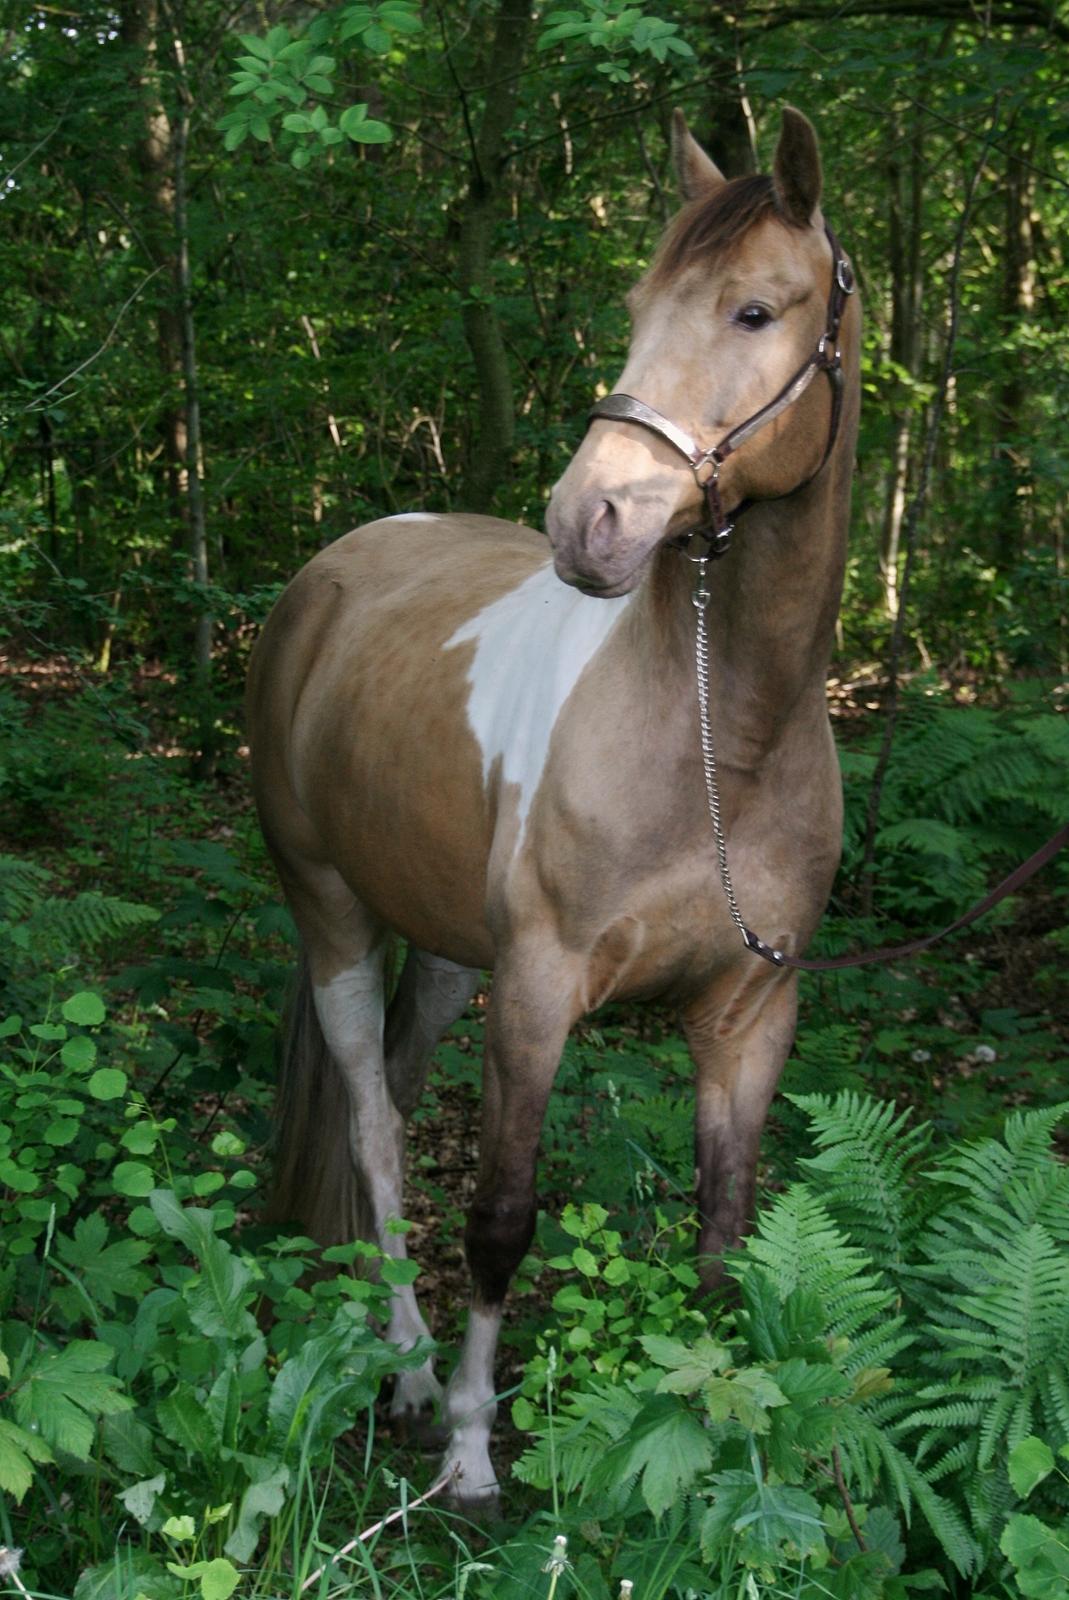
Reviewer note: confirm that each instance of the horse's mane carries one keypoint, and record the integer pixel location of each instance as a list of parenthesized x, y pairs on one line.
[(715, 224)]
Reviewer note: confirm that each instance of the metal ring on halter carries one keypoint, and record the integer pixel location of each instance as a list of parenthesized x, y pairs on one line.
[(708, 458), (717, 541)]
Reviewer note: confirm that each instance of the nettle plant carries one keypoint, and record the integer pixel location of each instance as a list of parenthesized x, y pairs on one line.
[(854, 1427)]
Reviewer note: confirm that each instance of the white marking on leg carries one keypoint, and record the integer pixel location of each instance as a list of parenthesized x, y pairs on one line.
[(531, 648), (350, 1011), (471, 1406)]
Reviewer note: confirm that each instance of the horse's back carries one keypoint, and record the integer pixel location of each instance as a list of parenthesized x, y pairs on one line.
[(355, 653)]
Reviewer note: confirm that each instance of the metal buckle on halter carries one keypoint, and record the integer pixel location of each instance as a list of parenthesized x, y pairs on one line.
[(844, 276)]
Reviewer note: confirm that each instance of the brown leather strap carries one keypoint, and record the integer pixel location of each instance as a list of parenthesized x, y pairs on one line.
[(719, 524), (865, 958)]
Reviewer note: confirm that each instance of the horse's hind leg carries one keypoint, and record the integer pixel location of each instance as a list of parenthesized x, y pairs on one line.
[(431, 994), (343, 969)]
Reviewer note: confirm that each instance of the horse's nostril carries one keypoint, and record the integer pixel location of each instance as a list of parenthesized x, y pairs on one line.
[(601, 529)]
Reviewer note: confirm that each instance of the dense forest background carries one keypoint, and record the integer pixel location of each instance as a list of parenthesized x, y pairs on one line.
[(272, 269)]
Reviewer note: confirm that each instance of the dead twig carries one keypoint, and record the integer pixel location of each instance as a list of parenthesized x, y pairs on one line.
[(376, 1527)]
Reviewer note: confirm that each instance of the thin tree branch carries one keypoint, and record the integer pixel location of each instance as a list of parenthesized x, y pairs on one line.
[(436, 1487), (844, 1496), (36, 405)]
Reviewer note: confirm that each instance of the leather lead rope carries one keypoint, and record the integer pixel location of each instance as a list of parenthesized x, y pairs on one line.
[(893, 952)]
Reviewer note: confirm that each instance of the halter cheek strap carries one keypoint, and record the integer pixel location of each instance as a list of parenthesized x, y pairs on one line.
[(716, 526)]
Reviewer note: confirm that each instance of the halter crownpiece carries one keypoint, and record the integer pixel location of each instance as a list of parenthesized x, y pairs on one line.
[(717, 526)]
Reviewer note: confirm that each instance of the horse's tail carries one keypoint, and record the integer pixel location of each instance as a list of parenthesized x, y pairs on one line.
[(315, 1183)]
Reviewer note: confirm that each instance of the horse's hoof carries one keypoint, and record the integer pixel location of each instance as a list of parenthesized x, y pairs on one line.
[(480, 1505)]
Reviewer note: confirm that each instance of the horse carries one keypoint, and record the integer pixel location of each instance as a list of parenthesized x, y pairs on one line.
[(488, 744)]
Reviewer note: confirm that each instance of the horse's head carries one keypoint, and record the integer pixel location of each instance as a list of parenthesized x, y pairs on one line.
[(734, 304)]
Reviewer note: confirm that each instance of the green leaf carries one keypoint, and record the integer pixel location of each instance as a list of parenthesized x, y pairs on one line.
[(256, 46), (1040, 1556), (186, 1423), (666, 1446), (218, 1578), (761, 1518), (133, 1178), (370, 132), (84, 1008), (264, 1498), (79, 1053), (235, 135), (61, 1131), (297, 122), (130, 1574), (140, 1498), (65, 1391), (1030, 1462), (106, 1270), (18, 1451), (107, 1083)]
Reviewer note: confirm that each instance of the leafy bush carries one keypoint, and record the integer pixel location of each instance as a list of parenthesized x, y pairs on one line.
[(198, 1388), (851, 1427)]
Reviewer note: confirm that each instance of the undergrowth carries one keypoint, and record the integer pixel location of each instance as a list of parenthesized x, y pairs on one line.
[(186, 1410)]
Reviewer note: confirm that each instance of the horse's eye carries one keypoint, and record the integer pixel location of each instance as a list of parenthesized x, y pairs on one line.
[(753, 316)]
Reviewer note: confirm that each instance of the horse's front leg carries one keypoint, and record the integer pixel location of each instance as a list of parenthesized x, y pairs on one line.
[(531, 1010), (739, 1032)]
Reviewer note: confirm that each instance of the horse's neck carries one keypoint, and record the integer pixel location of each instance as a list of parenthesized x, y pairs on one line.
[(770, 621)]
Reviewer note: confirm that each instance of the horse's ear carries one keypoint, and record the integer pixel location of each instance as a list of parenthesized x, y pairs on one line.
[(697, 174), (796, 174)]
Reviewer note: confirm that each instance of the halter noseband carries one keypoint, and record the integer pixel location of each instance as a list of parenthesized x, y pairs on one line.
[(717, 526)]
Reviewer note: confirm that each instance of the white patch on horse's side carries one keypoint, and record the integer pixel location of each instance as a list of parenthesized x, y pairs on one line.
[(531, 648), (414, 516), (471, 1406)]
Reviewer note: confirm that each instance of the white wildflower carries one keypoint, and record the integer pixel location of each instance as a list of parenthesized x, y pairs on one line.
[(921, 1056), (558, 1556), (984, 1052)]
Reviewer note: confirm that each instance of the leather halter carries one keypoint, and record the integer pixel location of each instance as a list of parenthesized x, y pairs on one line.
[(717, 526)]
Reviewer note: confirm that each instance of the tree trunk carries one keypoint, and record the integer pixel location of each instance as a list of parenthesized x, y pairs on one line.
[(1016, 296), (729, 133), (204, 762), (139, 27), (905, 190), (491, 448)]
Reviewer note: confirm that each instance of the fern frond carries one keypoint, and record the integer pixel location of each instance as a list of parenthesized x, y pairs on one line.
[(22, 886), (799, 1245), (867, 1158), (61, 928)]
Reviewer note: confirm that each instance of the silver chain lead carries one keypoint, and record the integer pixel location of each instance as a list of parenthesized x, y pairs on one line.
[(700, 598)]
